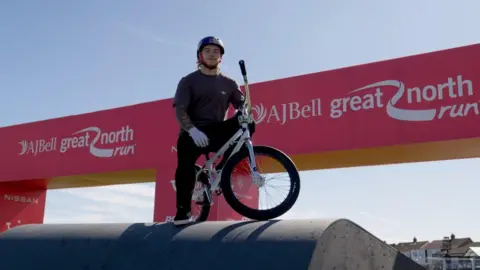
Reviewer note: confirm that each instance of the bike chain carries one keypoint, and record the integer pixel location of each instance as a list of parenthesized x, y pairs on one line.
[(204, 179)]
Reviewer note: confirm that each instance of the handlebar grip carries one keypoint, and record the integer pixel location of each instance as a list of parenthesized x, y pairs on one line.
[(242, 67)]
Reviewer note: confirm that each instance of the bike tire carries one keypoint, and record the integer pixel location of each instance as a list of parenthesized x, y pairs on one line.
[(255, 214), (205, 205)]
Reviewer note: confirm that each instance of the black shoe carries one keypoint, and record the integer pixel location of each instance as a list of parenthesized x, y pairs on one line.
[(182, 218)]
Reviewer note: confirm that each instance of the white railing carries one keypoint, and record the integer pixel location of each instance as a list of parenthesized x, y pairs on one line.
[(439, 263)]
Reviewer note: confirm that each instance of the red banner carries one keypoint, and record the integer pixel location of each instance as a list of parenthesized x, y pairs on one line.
[(21, 203), (422, 98)]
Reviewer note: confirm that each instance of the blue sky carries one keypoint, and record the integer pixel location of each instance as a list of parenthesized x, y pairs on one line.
[(64, 57)]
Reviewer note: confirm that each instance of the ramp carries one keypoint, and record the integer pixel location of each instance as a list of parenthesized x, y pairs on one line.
[(277, 244)]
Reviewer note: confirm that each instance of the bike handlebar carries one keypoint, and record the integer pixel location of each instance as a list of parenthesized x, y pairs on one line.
[(247, 104), (242, 67)]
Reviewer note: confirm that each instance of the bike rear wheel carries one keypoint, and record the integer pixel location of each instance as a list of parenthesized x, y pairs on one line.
[(201, 206), (242, 157)]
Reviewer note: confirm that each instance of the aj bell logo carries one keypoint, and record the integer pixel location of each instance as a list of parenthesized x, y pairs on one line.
[(286, 112), (24, 145), (36, 147)]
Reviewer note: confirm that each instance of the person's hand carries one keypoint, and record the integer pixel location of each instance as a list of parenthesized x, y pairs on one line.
[(199, 138)]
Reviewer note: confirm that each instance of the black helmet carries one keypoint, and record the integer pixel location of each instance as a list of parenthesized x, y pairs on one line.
[(210, 40)]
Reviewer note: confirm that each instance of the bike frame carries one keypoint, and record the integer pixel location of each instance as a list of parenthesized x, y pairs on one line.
[(242, 136)]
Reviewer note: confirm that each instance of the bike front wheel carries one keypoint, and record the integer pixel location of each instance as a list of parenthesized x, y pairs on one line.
[(248, 185)]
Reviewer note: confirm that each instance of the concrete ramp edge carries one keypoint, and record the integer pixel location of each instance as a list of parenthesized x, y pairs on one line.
[(277, 244)]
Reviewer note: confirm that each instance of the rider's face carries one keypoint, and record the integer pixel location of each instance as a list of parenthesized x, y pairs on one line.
[(211, 54)]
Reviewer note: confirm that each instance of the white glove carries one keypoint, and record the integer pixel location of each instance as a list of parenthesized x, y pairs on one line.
[(199, 138)]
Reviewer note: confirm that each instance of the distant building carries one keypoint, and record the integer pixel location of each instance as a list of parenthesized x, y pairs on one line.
[(465, 257), (457, 246), (462, 252), (473, 251), (414, 250)]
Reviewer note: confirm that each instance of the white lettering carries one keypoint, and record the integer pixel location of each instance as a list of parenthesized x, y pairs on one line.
[(83, 139), (36, 147), (428, 93), (9, 224), (458, 110), (88, 137), (287, 112), (74, 142), (339, 106), (20, 199), (305, 111), (274, 113)]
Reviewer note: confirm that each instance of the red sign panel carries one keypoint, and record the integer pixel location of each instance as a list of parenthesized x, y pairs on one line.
[(422, 98), (21, 205)]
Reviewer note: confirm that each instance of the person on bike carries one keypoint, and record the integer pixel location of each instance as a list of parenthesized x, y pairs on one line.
[(201, 104)]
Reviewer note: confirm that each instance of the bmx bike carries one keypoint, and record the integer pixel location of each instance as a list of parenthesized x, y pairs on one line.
[(212, 179)]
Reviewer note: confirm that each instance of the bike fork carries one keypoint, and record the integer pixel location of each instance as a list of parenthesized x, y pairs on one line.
[(257, 178)]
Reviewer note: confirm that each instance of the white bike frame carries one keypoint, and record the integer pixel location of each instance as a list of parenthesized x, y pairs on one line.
[(242, 136)]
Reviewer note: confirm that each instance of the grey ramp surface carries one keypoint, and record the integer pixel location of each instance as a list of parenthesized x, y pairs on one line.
[(276, 244)]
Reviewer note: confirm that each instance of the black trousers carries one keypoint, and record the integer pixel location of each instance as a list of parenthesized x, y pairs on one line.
[(188, 153)]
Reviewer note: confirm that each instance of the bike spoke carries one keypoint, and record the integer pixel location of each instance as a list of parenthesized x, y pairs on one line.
[(268, 195)]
